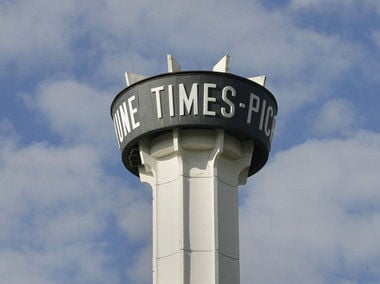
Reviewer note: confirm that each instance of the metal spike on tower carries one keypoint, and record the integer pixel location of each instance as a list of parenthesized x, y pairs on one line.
[(194, 136)]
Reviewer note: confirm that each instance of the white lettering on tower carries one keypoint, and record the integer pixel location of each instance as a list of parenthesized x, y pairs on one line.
[(253, 107), (268, 114), (262, 115), (157, 92), (207, 99), (124, 118), (171, 100), (132, 112), (225, 91), (188, 101)]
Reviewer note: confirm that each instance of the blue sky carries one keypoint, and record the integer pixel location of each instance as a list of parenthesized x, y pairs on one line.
[(70, 212)]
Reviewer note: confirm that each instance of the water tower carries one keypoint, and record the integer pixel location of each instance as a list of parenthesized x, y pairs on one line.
[(194, 136)]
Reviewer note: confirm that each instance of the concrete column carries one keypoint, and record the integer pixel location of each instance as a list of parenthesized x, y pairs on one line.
[(194, 174)]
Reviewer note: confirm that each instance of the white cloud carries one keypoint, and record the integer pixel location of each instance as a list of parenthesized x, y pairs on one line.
[(56, 205), (34, 31), (17, 268), (320, 4), (313, 214), (342, 6), (7, 130), (137, 220), (75, 111), (141, 271), (120, 36), (335, 117), (376, 37)]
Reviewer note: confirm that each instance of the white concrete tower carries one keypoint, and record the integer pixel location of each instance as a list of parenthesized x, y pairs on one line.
[(195, 137)]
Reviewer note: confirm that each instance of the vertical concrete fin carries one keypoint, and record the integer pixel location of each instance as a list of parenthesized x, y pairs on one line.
[(132, 78), (223, 65), (259, 80), (173, 65)]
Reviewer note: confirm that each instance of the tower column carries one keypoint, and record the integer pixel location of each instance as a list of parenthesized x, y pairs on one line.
[(194, 175)]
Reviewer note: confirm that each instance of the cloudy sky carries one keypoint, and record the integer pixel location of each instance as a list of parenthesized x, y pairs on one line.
[(70, 212)]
